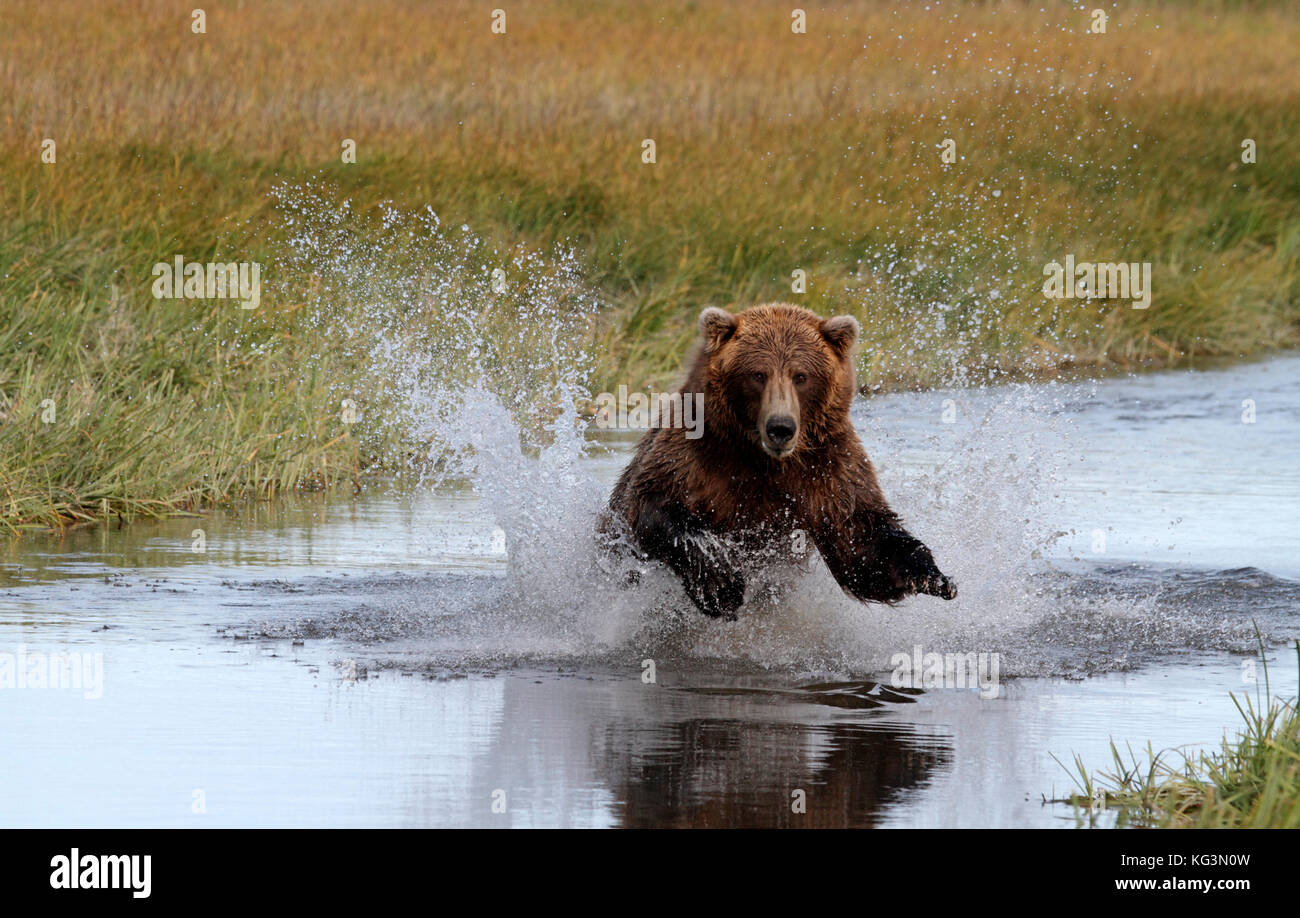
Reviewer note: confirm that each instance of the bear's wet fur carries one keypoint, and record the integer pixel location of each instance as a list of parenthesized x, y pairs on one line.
[(777, 455)]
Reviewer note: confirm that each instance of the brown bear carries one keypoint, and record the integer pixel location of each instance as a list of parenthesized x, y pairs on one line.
[(777, 459)]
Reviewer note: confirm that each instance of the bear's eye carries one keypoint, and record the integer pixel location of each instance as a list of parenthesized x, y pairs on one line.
[(760, 378), (800, 378)]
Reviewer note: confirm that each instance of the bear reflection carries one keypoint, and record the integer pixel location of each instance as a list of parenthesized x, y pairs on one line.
[(731, 773)]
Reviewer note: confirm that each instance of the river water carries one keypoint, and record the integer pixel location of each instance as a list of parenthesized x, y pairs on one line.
[(417, 656)]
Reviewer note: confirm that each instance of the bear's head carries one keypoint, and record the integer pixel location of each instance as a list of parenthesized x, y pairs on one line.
[(779, 375)]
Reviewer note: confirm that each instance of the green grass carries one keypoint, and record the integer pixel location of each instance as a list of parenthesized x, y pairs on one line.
[(1251, 781), (121, 412), (775, 152)]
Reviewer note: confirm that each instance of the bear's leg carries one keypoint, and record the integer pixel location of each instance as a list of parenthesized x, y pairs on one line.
[(880, 561), (673, 535), (912, 563)]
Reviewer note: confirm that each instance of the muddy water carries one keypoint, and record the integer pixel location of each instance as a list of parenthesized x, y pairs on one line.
[(396, 659)]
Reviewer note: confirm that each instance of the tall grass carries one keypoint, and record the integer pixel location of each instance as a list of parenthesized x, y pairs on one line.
[(1251, 781), (775, 152)]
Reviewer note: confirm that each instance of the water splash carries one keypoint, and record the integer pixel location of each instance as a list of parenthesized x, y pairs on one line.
[(476, 359)]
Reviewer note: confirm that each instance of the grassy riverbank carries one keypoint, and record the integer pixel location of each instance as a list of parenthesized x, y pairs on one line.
[(1251, 782), (775, 152)]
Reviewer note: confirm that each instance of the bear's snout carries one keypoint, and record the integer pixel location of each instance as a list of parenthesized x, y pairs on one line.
[(780, 431), (778, 419)]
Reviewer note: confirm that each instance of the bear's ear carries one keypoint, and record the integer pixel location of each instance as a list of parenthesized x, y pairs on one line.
[(717, 325), (841, 332)]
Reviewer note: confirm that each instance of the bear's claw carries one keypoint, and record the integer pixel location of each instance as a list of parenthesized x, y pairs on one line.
[(939, 586), (719, 595)]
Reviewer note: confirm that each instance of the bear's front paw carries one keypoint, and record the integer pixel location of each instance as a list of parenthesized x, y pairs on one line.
[(936, 584), (719, 595)]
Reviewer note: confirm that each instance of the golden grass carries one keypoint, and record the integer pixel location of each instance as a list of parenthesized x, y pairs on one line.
[(775, 152)]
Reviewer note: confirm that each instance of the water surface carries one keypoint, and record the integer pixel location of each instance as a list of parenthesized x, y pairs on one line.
[(417, 657)]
